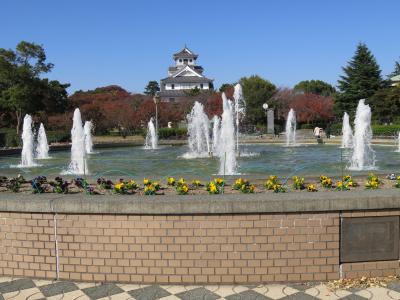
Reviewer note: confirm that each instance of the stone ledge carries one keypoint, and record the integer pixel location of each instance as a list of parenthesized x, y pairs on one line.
[(201, 204)]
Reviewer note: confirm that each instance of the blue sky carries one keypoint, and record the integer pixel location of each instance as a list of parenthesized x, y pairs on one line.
[(95, 43)]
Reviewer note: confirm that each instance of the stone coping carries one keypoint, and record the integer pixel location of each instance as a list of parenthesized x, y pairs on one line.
[(201, 204)]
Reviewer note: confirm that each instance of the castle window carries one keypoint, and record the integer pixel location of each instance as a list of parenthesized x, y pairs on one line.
[(201, 85), (180, 60), (172, 86), (190, 60)]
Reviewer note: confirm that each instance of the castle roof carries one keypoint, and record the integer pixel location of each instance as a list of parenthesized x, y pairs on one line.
[(395, 78), (186, 79), (198, 69), (185, 53)]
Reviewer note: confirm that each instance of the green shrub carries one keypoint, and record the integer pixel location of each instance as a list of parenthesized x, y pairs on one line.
[(9, 138), (58, 136), (172, 133), (307, 126), (336, 129), (385, 130), (138, 131), (377, 130)]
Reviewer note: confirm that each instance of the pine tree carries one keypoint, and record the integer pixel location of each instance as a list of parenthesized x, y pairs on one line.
[(361, 79), (152, 88), (396, 70)]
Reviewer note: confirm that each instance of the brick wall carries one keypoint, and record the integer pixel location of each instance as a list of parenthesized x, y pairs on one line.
[(181, 249), (172, 249), (27, 245)]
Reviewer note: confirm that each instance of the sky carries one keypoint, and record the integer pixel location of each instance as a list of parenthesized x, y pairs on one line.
[(95, 43)]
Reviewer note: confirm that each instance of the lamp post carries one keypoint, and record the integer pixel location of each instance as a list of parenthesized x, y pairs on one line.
[(156, 100), (269, 112), (265, 108)]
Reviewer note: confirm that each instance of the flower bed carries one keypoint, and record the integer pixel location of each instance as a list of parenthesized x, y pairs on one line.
[(171, 185)]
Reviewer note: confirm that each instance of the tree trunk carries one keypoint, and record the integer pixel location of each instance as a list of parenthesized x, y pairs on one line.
[(18, 114)]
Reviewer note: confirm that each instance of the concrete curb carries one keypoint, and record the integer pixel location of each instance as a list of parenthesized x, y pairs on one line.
[(201, 204)]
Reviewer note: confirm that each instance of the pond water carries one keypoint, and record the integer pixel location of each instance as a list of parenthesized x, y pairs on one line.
[(256, 161)]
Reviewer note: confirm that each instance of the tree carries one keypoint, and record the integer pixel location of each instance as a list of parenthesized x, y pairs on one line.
[(311, 108), (193, 92), (54, 96), (317, 87), (15, 99), (256, 91), (225, 86), (22, 90), (361, 79), (33, 57), (152, 88), (385, 104), (396, 70)]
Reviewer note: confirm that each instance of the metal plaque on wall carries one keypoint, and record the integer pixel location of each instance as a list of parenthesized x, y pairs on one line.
[(369, 239)]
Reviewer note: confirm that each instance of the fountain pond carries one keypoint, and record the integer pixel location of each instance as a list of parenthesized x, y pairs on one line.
[(167, 161)]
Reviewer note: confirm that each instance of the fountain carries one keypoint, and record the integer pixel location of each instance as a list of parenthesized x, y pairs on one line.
[(216, 135), (240, 110), (151, 136), (42, 147), (347, 133), (363, 156), (87, 129), (27, 155), (227, 154), (291, 129), (198, 132), (78, 164)]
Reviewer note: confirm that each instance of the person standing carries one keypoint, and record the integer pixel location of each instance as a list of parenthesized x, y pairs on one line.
[(328, 131), (317, 131)]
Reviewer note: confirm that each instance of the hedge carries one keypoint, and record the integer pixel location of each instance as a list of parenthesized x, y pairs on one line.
[(336, 129), (377, 130), (386, 130), (172, 133), (58, 136), (9, 137)]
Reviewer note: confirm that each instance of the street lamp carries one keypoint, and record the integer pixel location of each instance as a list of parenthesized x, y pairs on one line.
[(265, 107), (156, 100)]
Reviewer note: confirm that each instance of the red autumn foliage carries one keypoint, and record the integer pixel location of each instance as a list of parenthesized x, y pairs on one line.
[(112, 107), (62, 122), (108, 93), (213, 105), (310, 108)]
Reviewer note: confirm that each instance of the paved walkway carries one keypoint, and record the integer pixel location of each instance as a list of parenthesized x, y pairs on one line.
[(28, 289)]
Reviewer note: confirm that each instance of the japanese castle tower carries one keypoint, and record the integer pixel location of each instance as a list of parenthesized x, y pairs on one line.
[(183, 77)]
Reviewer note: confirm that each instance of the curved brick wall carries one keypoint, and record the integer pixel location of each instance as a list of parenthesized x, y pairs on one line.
[(184, 248)]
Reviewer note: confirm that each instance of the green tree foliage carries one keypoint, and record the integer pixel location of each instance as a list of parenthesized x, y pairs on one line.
[(385, 104), (54, 96), (225, 86), (256, 91), (396, 70), (32, 57), (22, 90), (361, 79), (317, 87), (193, 92), (152, 88)]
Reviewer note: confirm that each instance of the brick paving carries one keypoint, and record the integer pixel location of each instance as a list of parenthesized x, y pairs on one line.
[(30, 289)]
